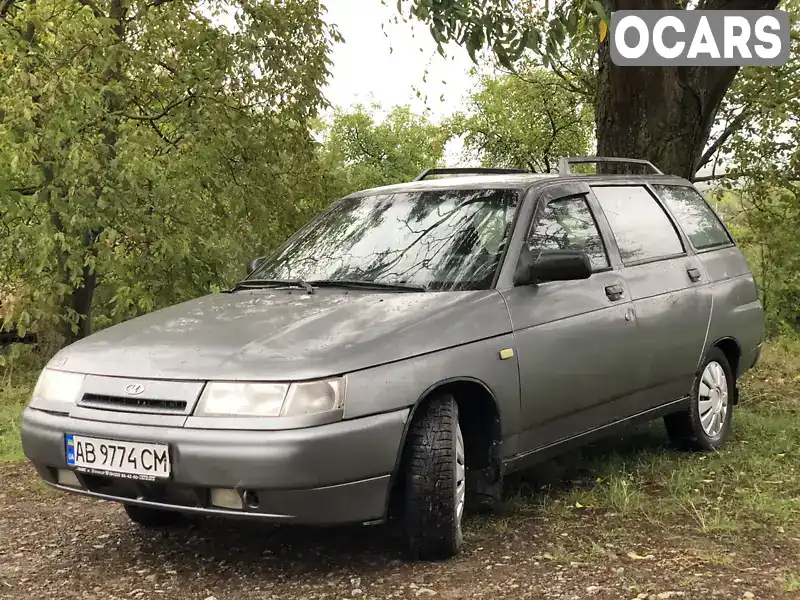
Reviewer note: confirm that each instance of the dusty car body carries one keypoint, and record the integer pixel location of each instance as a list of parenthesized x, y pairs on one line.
[(406, 349)]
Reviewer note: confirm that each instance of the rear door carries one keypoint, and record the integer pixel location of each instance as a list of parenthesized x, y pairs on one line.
[(668, 287), (736, 310), (575, 340)]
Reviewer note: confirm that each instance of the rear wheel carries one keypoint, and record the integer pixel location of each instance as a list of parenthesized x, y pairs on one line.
[(706, 424), (435, 481), (153, 517)]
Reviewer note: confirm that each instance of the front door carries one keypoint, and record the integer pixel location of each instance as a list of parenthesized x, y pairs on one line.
[(575, 339)]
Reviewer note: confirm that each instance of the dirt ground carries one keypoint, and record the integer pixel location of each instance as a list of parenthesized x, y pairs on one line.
[(55, 545)]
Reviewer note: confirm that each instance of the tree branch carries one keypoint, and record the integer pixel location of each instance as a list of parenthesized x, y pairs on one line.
[(569, 84), (5, 8), (25, 191), (360, 142), (551, 141), (732, 128), (163, 113), (161, 134), (720, 176)]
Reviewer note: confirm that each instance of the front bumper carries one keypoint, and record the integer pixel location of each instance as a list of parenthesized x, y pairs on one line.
[(324, 475)]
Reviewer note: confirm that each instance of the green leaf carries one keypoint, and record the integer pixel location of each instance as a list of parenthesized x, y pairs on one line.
[(598, 9)]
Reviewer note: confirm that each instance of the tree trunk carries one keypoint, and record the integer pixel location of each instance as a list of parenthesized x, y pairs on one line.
[(662, 114), (81, 302)]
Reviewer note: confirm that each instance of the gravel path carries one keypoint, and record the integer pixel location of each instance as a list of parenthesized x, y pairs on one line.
[(55, 545)]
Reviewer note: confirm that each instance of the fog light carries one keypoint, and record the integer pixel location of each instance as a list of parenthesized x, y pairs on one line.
[(226, 498), (67, 477)]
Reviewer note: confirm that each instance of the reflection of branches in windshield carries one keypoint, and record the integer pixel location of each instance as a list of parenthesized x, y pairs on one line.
[(433, 245), (367, 238), (380, 268), (326, 235), (443, 216)]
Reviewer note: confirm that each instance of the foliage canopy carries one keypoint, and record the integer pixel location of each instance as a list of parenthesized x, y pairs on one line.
[(363, 149), (135, 136), (525, 120)]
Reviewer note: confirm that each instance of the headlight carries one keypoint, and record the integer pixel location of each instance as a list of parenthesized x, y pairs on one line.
[(235, 399), (222, 398), (57, 386), (314, 397)]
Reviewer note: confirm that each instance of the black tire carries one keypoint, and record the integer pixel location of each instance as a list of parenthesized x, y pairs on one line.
[(153, 517), (685, 428), (432, 520)]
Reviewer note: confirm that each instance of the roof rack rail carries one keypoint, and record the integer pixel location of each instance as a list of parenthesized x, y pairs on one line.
[(564, 163), (467, 171)]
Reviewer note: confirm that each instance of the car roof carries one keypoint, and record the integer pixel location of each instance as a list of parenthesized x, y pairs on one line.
[(519, 181)]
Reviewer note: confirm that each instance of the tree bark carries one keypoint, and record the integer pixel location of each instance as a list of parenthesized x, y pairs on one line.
[(661, 114), (81, 303)]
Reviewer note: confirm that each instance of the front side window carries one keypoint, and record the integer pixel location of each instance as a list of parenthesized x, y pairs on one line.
[(641, 228), (439, 240), (568, 224), (695, 217)]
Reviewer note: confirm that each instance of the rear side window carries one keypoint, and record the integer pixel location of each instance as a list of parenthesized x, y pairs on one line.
[(568, 224), (641, 227), (694, 215)]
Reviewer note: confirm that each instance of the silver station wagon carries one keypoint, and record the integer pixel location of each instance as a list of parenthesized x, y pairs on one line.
[(406, 349)]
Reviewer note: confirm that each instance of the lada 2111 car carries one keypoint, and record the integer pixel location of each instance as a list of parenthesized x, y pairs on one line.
[(407, 348)]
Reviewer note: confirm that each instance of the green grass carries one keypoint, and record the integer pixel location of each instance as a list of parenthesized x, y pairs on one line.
[(17, 378), (753, 482), (14, 394), (791, 582)]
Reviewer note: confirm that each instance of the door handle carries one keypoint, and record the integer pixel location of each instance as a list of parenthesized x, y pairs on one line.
[(615, 292), (694, 274)]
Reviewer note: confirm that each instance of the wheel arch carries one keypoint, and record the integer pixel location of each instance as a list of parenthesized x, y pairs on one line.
[(469, 419), (732, 350)]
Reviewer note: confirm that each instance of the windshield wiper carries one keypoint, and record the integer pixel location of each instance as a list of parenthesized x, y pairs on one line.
[(267, 283), (375, 285)]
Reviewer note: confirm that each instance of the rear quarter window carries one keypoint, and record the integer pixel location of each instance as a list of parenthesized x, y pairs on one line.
[(698, 221)]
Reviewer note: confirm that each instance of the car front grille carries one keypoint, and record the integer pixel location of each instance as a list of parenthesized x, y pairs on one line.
[(132, 403)]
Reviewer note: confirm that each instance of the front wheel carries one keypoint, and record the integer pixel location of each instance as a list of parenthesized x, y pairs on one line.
[(435, 481), (706, 424)]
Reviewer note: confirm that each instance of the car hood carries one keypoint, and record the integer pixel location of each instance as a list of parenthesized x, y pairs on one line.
[(278, 334)]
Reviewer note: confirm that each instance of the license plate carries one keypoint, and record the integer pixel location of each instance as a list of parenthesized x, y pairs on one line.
[(129, 460)]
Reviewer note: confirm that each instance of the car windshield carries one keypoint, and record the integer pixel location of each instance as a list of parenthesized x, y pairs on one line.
[(438, 240)]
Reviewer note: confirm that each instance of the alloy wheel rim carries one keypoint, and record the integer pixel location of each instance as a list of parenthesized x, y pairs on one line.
[(713, 399), (460, 477)]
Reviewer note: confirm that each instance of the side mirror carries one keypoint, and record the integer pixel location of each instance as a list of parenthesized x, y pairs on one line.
[(253, 264), (552, 265)]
